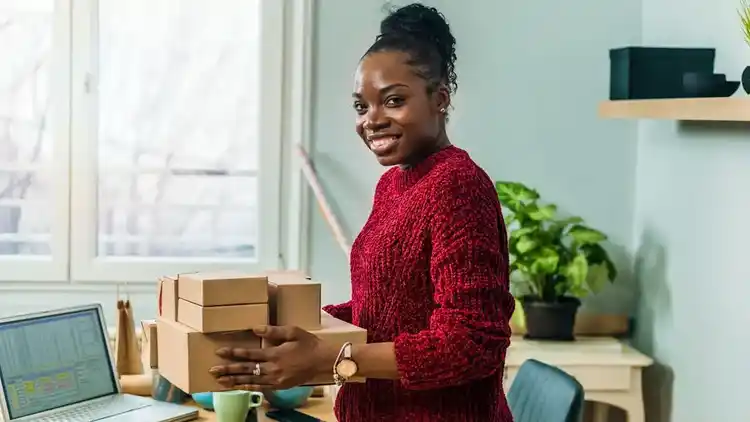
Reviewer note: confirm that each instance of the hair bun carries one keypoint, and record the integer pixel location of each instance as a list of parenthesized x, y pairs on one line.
[(418, 21), (426, 28)]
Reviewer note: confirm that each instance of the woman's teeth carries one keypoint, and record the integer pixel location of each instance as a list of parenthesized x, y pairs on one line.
[(380, 144)]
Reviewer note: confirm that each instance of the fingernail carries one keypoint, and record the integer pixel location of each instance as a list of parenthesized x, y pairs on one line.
[(260, 330), (215, 370)]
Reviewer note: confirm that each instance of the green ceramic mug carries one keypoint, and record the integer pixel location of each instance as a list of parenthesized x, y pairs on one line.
[(233, 406)]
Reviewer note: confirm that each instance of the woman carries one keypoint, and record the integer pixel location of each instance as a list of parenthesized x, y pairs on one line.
[(429, 270)]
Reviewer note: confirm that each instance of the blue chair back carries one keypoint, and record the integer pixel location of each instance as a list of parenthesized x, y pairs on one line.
[(544, 393)]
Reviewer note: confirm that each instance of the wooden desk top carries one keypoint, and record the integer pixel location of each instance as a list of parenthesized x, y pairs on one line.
[(590, 351), (319, 407)]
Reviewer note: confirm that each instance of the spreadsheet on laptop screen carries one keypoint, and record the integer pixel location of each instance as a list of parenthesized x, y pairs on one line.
[(52, 361)]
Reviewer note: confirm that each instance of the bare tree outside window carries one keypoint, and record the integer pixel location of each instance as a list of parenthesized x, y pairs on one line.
[(26, 28), (177, 128)]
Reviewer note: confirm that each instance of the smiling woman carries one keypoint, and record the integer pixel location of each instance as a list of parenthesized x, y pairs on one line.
[(429, 269), (403, 86)]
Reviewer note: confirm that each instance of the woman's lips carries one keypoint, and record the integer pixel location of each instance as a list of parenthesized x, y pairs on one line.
[(382, 144)]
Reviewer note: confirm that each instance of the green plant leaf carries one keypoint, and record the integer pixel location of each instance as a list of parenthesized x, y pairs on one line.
[(544, 261), (596, 277), (525, 244), (575, 273), (583, 235), (557, 228), (543, 213), (744, 13), (597, 255), (521, 231), (514, 194)]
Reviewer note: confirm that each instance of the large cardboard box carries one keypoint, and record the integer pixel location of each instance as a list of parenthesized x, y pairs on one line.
[(336, 333), (185, 355), (213, 319), (222, 288), (294, 300)]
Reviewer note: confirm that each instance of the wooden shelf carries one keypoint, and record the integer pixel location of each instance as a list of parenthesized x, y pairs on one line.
[(733, 109)]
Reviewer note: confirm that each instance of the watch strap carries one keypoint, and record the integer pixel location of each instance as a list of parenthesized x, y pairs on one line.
[(345, 353)]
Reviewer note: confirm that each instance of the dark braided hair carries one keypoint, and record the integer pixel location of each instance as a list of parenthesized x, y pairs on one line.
[(424, 35)]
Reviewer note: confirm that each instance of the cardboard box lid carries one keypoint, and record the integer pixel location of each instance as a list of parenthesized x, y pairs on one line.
[(329, 324), (289, 278), (337, 332), (223, 288)]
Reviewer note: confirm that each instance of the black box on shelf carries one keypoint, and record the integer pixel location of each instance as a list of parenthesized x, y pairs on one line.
[(639, 73)]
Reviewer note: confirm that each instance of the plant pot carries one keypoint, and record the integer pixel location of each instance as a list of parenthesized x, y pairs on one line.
[(550, 320), (746, 79)]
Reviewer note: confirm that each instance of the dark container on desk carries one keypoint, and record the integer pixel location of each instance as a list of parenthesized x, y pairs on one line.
[(639, 73)]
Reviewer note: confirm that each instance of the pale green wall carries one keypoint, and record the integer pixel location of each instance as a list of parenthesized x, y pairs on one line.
[(691, 227), (531, 75), (675, 195)]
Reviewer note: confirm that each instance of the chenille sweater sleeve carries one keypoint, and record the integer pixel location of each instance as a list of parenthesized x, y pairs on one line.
[(469, 329), (342, 311)]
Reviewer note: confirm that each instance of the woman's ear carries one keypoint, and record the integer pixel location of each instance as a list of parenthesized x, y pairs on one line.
[(442, 99)]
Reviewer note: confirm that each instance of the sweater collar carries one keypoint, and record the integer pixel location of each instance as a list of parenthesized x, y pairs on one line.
[(408, 177)]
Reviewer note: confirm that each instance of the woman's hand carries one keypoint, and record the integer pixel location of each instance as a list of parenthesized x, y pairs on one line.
[(295, 357)]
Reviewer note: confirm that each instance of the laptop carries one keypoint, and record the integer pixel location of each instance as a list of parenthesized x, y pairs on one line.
[(56, 366)]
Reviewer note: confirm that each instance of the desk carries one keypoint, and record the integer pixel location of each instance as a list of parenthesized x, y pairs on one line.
[(319, 407), (608, 370)]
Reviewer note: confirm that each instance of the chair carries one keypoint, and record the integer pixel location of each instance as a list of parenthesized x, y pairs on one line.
[(544, 393)]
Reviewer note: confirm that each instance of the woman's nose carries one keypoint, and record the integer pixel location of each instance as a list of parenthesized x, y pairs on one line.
[(374, 120)]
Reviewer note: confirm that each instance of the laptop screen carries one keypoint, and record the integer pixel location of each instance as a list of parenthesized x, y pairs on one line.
[(53, 361)]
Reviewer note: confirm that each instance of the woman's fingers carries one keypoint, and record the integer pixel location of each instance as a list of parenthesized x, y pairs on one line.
[(237, 353), (244, 380), (248, 374), (234, 369)]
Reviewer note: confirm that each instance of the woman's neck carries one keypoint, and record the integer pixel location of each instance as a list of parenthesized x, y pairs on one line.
[(441, 143)]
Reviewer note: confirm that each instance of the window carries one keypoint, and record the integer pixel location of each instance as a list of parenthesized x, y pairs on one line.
[(139, 137), (33, 157)]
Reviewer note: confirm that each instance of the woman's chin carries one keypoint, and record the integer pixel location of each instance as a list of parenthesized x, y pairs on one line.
[(388, 160)]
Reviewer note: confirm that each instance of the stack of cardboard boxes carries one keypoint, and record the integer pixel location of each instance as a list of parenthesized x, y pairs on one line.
[(203, 312)]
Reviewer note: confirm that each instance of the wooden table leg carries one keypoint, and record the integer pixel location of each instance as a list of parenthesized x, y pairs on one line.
[(601, 412)]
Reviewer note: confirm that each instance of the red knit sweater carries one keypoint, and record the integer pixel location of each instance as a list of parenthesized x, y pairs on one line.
[(429, 272)]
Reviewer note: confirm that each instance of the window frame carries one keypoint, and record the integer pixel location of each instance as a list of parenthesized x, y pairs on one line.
[(53, 267), (86, 266), (286, 73)]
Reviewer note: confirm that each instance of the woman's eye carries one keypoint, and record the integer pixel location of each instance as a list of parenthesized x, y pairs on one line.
[(394, 102), (359, 108)]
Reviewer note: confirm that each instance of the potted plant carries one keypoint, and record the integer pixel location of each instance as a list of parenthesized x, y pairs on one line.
[(554, 262), (744, 13)]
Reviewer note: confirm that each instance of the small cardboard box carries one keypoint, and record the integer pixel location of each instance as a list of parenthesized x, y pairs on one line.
[(185, 355), (213, 319), (336, 333), (223, 288), (149, 344), (294, 300), (168, 297)]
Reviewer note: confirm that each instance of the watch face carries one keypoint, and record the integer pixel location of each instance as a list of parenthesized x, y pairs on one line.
[(346, 368)]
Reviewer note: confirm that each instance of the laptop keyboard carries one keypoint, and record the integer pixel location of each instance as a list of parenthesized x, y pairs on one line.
[(105, 408)]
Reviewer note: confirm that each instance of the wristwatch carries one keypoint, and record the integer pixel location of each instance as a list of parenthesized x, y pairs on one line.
[(344, 368)]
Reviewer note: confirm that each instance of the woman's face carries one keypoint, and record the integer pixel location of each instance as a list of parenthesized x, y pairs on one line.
[(396, 117)]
